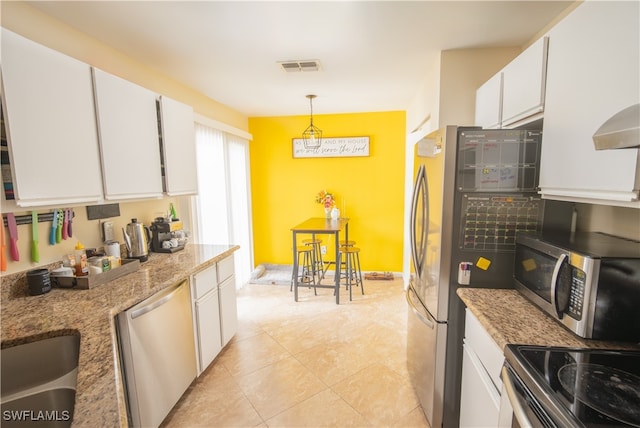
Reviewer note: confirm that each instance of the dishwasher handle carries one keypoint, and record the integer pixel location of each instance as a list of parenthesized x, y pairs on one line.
[(156, 300)]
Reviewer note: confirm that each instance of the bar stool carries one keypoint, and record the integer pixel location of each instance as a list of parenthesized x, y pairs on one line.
[(305, 268), (343, 264), (353, 273), (316, 255)]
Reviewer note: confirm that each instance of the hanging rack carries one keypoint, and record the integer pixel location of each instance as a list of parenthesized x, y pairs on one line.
[(42, 218)]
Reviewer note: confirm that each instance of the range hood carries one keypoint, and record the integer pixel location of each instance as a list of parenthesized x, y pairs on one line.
[(621, 131)]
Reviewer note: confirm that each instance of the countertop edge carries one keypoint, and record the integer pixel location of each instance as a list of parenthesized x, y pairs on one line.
[(510, 318), (90, 313)]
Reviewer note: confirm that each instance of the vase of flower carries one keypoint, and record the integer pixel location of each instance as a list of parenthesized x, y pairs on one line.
[(327, 200)]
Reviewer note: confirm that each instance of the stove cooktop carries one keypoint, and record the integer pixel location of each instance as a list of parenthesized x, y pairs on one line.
[(594, 387)]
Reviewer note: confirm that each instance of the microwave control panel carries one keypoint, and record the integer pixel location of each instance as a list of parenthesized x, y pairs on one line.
[(576, 296)]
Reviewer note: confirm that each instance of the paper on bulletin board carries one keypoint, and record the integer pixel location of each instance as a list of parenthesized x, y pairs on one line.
[(333, 148)]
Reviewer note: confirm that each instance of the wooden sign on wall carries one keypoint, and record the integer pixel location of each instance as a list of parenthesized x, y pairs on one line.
[(333, 148)]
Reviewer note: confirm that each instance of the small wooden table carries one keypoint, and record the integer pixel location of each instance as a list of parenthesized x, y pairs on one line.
[(320, 226)]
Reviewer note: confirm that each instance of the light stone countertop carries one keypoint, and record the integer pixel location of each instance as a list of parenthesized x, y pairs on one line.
[(90, 313), (510, 318)]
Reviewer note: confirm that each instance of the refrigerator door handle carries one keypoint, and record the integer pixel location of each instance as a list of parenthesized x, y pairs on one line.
[(420, 179), (415, 310)]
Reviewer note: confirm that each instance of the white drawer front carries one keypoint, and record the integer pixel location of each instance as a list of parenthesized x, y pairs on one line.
[(205, 281), (225, 268), (485, 347)]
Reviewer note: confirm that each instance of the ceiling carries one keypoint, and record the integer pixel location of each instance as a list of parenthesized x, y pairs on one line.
[(374, 55)]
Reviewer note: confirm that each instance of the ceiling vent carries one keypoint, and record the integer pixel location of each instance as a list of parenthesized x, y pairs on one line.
[(296, 66)]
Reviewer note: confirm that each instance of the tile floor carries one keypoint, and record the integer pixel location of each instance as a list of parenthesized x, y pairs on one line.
[(309, 364)]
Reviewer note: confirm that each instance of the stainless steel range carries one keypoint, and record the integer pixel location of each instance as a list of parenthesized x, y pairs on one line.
[(566, 387)]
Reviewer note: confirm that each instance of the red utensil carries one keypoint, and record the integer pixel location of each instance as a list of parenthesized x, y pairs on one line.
[(13, 235)]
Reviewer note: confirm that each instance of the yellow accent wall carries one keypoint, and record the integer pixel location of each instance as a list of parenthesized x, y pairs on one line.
[(369, 190)]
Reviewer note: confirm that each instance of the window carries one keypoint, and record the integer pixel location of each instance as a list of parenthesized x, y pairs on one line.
[(223, 204)]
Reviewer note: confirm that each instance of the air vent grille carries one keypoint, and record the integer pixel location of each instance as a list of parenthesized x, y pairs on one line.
[(297, 66)]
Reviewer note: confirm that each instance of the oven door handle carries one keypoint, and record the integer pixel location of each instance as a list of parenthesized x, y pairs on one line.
[(554, 284), (514, 399)]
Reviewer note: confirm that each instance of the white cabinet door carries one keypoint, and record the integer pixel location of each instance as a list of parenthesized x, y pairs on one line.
[(51, 125), (489, 103), (592, 73), (481, 364), (129, 141), (179, 147), (479, 398), (208, 329), (228, 310), (523, 83)]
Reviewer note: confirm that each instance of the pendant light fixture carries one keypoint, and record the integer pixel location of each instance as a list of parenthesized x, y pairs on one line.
[(312, 136)]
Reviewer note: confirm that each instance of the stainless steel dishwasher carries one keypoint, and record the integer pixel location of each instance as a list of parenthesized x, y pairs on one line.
[(157, 351)]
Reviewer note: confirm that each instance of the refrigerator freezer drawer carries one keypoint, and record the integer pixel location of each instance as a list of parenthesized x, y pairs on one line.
[(426, 358)]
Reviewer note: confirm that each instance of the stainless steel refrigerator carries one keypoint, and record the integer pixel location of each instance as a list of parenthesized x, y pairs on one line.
[(474, 190)]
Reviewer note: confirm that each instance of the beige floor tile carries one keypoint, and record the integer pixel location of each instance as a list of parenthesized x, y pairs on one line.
[(214, 400), (334, 361), (325, 409), (279, 386), (250, 354), (415, 419), (379, 394), (309, 363)]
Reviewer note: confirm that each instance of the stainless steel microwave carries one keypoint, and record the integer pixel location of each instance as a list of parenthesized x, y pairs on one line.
[(589, 282)]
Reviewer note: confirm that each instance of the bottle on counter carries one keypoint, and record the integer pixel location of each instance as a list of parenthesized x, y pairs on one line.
[(81, 267)]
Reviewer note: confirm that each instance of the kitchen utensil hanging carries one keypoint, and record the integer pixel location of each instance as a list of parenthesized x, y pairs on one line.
[(35, 251), (13, 235)]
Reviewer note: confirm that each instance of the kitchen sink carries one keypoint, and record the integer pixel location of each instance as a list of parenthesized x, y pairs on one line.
[(38, 384)]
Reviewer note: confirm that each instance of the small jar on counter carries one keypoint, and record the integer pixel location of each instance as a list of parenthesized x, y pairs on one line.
[(81, 266)]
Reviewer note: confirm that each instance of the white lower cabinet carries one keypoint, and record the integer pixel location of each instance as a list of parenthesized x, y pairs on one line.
[(228, 310), (215, 313), (481, 364), (209, 343)]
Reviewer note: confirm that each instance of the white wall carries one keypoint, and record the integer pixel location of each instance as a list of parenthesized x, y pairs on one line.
[(447, 97), (617, 221)]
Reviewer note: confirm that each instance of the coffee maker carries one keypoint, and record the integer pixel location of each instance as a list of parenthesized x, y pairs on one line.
[(164, 236)]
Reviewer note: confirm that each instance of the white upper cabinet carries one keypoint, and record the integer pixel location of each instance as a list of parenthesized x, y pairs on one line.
[(129, 140), (489, 103), (515, 95), (179, 147), (593, 69), (51, 126), (524, 84)]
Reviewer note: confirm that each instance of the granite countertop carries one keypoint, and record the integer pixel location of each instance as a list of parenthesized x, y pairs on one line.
[(511, 319), (90, 313)]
